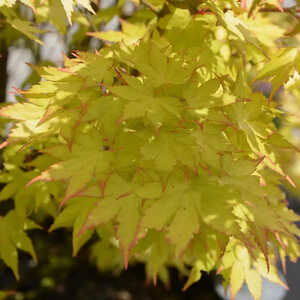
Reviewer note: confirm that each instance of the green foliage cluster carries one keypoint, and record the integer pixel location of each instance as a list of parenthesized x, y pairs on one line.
[(157, 143)]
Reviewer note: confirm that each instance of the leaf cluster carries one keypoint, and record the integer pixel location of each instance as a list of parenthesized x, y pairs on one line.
[(157, 144)]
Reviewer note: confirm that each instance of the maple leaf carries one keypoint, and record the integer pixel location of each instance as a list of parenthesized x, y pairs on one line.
[(165, 207), (185, 207), (80, 166), (105, 253), (26, 28), (143, 101), (167, 149), (74, 215), (68, 6), (254, 283), (158, 253), (199, 97), (187, 215), (128, 224), (195, 275), (158, 68), (13, 237), (236, 279), (130, 33), (279, 69), (115, 203)]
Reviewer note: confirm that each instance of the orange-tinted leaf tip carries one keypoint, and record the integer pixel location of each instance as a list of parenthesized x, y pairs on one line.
[(50, 228), (35, 179), (3, 145), (125, 258), (186, 286), (285, 286), (154, 279), (292, 183), (44, 118), (282, 244)]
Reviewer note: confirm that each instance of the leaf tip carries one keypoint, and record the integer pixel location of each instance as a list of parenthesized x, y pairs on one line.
[(35, 179), (3, 144)]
